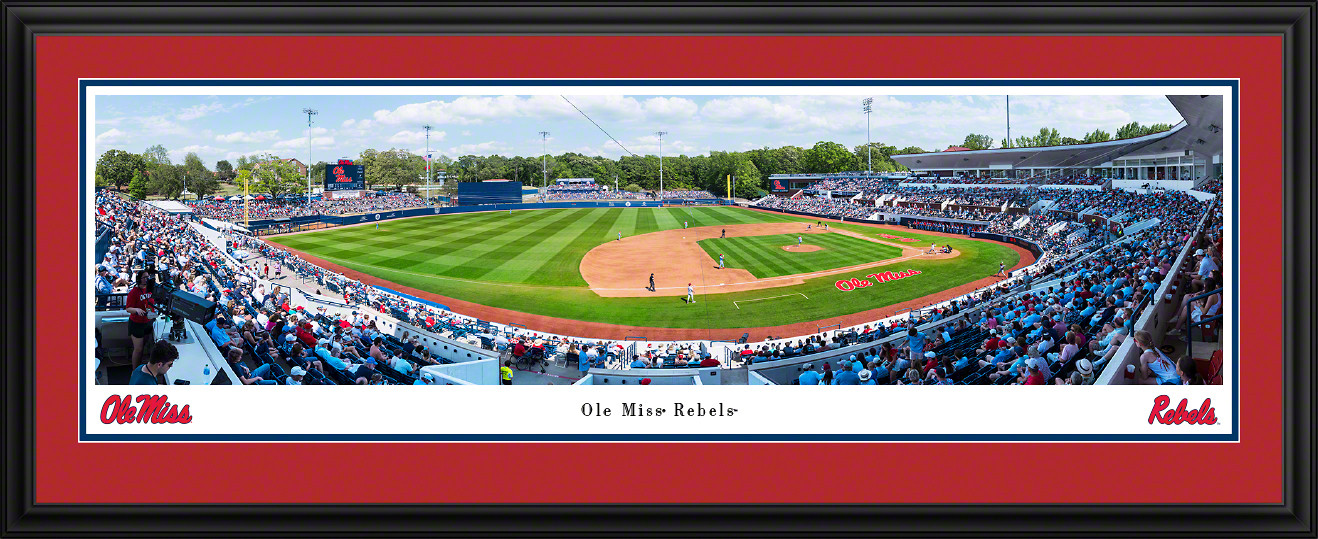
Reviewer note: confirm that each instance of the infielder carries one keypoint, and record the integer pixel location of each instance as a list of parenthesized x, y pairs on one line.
[(683, 225), (690, 293), (619, 235), (720, 261), (724, 234), (798, 241)]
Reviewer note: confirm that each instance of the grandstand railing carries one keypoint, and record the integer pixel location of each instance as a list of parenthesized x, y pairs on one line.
[(1151, 318)]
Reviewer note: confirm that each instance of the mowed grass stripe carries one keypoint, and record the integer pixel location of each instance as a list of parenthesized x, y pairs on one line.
[(645, 222), (761, 264), (626, 223), (665, 220), (482, 255), (564, 268), (446, 251), (515, 260), (410, 230), (386, 249)]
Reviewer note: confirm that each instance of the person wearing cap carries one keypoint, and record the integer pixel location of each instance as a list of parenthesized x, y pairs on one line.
[(709, 361), (645, 381), (425, 379), (1032, 376), (808, 376), (845, 377), (295, 376), (363, 373), (866, 377), (1206, 264)]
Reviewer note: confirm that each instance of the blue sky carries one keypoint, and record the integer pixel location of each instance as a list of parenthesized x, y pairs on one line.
[(224, 127)]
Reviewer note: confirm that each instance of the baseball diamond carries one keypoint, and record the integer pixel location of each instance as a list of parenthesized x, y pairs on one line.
[(569, 264)]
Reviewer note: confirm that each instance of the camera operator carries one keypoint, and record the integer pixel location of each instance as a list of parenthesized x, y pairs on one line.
[(139, 324)]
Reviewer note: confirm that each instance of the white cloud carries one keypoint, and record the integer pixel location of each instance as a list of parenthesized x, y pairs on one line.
[(416, 138), (112, 136), (249, 137), (194, 112), (301, 142), (177, 155), (483, 148)]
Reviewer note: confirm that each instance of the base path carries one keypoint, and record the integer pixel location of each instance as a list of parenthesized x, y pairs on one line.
[(599, 330), (621, 269)]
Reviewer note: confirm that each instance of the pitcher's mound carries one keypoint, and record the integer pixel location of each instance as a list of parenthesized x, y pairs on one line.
[(802, 248)]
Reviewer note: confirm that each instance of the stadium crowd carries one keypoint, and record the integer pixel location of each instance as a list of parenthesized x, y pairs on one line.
[(685, 195), (591, 193), (823, 206), (233, 210)]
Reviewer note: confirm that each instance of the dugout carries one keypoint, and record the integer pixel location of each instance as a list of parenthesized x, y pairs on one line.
[(490, 192)]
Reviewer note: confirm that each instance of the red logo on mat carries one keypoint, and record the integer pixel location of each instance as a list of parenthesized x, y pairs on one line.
[(151, 409), (1203, 416)]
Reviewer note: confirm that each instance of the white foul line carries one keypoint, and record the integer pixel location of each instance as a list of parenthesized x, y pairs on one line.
[(734, 304)]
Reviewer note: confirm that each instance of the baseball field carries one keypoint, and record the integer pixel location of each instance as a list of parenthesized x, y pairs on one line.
[(594, 264)]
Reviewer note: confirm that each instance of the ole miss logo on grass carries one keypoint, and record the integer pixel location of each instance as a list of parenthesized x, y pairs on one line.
[(149, 409), (1203, 416)]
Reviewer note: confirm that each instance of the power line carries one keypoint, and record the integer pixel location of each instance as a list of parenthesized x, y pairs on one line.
[(624, 148)]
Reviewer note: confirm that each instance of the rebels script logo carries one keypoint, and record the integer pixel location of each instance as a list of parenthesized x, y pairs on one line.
[(1203, 416), (152, 408)]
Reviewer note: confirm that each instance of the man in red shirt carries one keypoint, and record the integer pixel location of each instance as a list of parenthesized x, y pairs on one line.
[(1033, 377), (709, 361), (139, 325)]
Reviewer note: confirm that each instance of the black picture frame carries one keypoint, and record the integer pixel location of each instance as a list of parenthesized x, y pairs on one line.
[(23, 21)]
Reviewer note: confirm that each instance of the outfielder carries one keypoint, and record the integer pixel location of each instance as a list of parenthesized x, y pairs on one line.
[(690, 293), (724, 234), (1002, 268), (683, 225)]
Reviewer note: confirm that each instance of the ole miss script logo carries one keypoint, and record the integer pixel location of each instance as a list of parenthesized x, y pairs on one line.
[(1203, 416), (149, 409)]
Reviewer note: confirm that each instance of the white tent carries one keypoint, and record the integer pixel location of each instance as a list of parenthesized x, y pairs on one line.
[(235, 198)]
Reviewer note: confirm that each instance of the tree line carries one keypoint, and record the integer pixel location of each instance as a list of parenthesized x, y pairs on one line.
[(152, 173)]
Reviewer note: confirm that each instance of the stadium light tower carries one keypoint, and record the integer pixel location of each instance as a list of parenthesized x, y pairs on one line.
[(309, 113), (661, 161), (866, 105), (427, 128), (544, 157)]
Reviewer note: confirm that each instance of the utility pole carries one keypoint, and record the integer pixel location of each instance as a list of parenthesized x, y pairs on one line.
[(867, 107), (544, 157), (661, 161), (427, 127), (309, 113)]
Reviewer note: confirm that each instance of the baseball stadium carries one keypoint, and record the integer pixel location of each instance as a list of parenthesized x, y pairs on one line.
[(1038, 262)]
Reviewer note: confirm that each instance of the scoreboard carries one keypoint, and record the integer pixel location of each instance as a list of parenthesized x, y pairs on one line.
[(345, 177)]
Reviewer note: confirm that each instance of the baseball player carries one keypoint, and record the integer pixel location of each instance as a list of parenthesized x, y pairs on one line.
[(723, 234), (1002, 268), (652, 282), (690, 293), (684, 225), (825, 226), (720, 261), (619, 235), (798, 241)]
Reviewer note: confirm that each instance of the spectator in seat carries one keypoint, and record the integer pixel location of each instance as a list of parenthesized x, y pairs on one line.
[(808, 376), (846, 377), (866, 379), (364, 373), (295, 376), (1154, 363), (248, 376), (1032, 376), (162, 358), (709, 361), (1188, 370)]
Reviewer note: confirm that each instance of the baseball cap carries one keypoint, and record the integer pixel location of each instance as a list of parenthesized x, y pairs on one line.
[(297, 371), (1033, 363), (1200, 252), (807, 366), (370, 361), (1011, 339), (1084, 367)]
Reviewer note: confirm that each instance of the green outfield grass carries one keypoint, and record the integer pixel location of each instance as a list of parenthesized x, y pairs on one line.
[(530, 262), (765, 257)]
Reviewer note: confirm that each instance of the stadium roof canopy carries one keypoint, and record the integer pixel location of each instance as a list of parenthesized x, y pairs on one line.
[(171, 206), (1200, 130)]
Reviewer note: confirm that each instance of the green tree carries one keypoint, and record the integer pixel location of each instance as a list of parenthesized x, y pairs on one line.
[(199, 180), (632, 187), (275, 176), (1066, 141), (1097, 135), (166, 180), (1130, 130), (1156, 128), (909, 149), (101, 182), (978, 142), (827, 157), (224, 171), (118, 166), (137, 186)]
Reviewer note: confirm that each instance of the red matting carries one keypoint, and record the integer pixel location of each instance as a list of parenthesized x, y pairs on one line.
[(69, 472)]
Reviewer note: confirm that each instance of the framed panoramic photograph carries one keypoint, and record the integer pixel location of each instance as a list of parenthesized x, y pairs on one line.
[(508, 219)]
